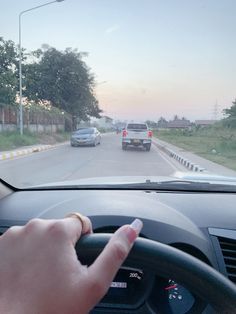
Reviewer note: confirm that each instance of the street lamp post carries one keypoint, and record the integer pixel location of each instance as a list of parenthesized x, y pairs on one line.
[(20, 58)]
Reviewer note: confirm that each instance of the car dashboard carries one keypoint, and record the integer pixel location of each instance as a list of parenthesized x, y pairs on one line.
[(201, 224)]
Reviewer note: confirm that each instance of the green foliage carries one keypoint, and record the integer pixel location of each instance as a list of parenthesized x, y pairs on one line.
[(232, 110), (204, 141), (59, 77), (62, 78), (11, 140), (230, 121), (152, 124), (162, 123), (8, 68)]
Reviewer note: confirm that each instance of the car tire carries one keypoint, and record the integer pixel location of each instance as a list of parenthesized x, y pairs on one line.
[(148, 147), (72, 145)]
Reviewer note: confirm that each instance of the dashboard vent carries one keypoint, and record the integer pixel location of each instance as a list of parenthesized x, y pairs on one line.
[(228, 247)]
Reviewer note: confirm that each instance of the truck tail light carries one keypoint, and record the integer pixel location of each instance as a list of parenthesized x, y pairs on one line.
[(125, 133), (149, 133)]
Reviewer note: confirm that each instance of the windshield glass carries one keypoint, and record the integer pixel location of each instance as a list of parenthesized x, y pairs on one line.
[(155, 78), (136, 126), (85, 131)]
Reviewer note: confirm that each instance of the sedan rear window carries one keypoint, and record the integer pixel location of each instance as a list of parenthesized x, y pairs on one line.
[(85, 131), (137, 126)]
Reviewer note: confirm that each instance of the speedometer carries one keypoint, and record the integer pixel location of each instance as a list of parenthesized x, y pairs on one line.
[(129, 289), (179, 298)]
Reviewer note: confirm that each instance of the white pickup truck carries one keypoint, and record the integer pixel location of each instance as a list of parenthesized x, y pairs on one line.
[(136, 134)]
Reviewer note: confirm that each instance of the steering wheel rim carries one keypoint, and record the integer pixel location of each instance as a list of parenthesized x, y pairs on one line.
[(170, 262)]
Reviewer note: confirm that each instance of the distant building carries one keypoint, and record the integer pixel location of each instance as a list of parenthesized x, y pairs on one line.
[(179, 123), (203, 123)]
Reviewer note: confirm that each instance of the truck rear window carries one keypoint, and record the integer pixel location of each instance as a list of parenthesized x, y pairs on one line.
[(137, 126)]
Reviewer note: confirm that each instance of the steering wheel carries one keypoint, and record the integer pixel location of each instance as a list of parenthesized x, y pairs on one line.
[(170, 262)]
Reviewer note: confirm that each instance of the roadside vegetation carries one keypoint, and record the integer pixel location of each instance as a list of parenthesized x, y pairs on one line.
[(12, 140), (58, 89), (51, 79), (216, 143)]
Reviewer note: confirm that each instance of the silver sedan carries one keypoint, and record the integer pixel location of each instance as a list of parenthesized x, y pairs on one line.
[(85, 136)]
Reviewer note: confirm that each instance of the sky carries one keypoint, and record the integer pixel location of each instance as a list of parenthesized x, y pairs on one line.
[(151, 58)]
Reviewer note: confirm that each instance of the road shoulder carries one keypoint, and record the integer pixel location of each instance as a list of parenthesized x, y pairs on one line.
[(22, 151), (192, 161)]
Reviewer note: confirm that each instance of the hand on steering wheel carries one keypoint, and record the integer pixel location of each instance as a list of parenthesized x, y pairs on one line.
[(169, 262), (40, 271)]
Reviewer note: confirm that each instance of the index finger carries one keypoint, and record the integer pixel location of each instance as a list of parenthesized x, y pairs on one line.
[(105, 267)]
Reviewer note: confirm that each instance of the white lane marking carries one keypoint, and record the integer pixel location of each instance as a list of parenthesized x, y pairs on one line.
[(165, 158)]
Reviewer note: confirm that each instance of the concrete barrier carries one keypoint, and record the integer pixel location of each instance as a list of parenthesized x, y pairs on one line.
[(185, 162), (26, 151)]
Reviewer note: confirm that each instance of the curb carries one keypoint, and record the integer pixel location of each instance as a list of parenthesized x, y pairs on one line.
[(183, 161), (27, 151)]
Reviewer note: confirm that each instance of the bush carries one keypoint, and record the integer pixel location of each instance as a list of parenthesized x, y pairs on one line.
[(230, 122), (12, 140), (9, 140)]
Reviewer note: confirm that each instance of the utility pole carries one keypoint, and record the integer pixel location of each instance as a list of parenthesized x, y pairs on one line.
[(20, 59)]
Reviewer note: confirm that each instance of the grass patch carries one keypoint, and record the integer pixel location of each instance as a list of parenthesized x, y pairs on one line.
[(53, 138), (12, 140), (215, 143)]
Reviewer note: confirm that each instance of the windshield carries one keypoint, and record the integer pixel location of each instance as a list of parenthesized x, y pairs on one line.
[(155, 78)]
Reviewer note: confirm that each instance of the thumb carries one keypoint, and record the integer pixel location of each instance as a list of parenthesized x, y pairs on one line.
[(107, 264)]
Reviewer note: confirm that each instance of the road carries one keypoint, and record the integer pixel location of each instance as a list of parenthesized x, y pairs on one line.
[(69, 163)]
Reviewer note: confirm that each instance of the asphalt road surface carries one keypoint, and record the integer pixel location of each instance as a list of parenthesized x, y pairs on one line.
[(70, 163)]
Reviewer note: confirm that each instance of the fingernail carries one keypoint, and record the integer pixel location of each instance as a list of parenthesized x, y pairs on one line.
[(132, 231), (137, 225)]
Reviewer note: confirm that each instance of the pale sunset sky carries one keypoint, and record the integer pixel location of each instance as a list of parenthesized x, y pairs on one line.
[(151, 58)]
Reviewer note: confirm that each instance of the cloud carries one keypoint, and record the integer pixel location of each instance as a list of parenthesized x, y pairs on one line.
[(112, 29)]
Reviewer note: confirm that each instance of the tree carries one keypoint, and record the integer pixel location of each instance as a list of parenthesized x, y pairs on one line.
[(230, 121), (64, 79), (151, 124), (231, 112), (176, 117), (8, 80), (8, 67), (162, 123)]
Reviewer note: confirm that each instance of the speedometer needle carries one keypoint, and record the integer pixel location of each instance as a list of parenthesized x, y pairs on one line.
[(170, 287)]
